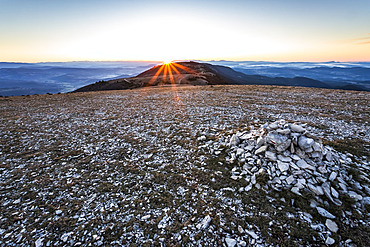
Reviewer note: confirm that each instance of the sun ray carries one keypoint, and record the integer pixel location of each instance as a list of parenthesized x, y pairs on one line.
[(174, 68), (170, 75), (156, 75), (177, 72), (184, 68), (165, 73)]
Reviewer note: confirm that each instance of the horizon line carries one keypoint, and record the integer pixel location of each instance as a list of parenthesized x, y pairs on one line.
[(195, 60)]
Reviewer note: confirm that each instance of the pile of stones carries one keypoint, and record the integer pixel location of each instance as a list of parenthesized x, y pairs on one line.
[(290, 158)]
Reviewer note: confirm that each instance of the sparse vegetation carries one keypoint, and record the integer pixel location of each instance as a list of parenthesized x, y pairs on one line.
[(125, 167)]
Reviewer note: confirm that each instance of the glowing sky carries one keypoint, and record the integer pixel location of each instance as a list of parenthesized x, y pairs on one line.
[(286, 30)]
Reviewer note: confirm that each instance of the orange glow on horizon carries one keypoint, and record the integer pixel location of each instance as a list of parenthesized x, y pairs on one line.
[(167, 62), (169, 70)]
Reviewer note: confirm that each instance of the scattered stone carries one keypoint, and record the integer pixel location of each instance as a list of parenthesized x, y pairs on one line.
[(303, 164), (202, 138), (205, 223), (332, 226), (146, 217), (230, 242), (252, 234), (234, 140), (107, 168), (329, 241), (253, 179), (261, 150), (334, 192), (284, 158), (295, 190), (270, 155), (327, 191), (283, 166), (260, 141), (305, 143), (315, 189), (248, 188), (324, 213), (281, 142), (290, 179), (354, 195), (366, 200), (242, 243), (65, 236), (297, 128), (39, 242)]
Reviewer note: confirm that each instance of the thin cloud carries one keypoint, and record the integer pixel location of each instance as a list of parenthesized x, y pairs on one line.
[(364, 43), (362, 40)]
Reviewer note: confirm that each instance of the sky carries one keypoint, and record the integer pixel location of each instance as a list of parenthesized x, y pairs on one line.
[(149, 30)]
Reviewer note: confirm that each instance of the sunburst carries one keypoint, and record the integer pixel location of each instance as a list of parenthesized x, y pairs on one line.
[(167, 62), (169, 70)]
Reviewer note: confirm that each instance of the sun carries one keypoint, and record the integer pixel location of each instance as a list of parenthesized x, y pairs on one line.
[(167, 61)]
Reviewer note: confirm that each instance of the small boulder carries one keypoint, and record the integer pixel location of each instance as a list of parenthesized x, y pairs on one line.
[(297, 128), (234, 140), (324, 213), (230, 242), (305, 143), (331, 225)]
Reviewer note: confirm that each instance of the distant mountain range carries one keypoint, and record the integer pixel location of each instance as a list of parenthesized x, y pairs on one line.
[(195, 73), (40, 78)]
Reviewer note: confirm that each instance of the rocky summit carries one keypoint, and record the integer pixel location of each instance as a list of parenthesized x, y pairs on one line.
[(186, 166)]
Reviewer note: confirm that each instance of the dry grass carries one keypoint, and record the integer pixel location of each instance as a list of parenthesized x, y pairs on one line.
[(107, 159)]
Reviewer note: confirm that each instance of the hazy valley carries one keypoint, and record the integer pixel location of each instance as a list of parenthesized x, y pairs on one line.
[(41, 78)]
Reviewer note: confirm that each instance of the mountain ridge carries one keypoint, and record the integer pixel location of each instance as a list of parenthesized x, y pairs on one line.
[(195, 73)]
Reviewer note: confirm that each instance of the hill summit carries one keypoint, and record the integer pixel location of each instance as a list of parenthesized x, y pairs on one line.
[(194, 73)]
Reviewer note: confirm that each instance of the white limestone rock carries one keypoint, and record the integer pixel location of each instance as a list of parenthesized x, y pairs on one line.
[(333, 176), (270, 155), (295, 190), (290, 179), (283, 166), (205, 223), (303, 164), (284, 158), (39, 242), (297, 128), (261, 150), (305, 143), (315, 189), (234, 140), (354, 195), (252, 234), (323, 212), (239, 151), (329, 241), (331, 225), (230, 242)]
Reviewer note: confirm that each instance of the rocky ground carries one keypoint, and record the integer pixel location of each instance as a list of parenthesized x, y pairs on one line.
[(186, 166)]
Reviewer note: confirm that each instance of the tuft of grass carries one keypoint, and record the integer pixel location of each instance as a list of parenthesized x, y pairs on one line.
[(354, 146)]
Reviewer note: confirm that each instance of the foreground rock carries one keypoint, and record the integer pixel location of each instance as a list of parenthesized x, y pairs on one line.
[(282, 156), (293, 159)]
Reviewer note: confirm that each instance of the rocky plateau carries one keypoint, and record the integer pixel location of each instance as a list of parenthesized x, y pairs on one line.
[(219, 165)]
